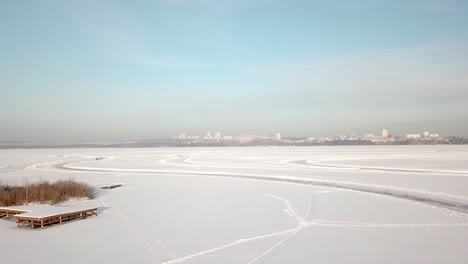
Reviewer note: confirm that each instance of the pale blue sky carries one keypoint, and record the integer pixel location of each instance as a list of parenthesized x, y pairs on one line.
[(86, 70)]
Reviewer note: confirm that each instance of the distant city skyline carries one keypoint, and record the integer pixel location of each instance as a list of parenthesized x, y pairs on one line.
[(276, 139), (110, 70), (384, 133)]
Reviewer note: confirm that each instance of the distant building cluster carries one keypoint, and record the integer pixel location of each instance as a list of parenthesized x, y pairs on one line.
[(217, 136), (384, 137), (274, 139), (424, 136)]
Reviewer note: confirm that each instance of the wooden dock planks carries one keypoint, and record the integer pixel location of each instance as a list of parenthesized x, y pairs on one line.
[(6, 212), (44, 221)]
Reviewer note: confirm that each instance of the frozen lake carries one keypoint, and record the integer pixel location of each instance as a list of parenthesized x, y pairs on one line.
[(363, 204)]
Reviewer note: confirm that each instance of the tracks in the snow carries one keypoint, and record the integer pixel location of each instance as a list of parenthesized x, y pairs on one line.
[(335, 166), (446, 201)]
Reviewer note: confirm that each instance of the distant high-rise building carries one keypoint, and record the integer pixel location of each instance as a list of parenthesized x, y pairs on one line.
[(182, 136), (208, 136), (426, 134), (217, 135), (278, 136), (385, 133)]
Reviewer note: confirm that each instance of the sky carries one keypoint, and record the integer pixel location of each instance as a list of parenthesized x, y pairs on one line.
[(109, 70)]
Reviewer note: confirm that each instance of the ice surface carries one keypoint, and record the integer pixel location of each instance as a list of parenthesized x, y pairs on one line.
[(177, 206)]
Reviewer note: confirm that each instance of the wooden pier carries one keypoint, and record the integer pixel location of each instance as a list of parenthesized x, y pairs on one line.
[(7, 212), (47, 215), (111, 186), (48, 220)]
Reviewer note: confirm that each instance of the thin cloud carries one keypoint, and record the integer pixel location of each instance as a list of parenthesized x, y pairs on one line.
[(180, 62)]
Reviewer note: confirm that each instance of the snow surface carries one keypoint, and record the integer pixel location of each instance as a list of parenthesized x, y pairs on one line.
[(366, 204)]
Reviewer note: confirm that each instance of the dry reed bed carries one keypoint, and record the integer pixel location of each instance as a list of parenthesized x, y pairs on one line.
[(44, 192)]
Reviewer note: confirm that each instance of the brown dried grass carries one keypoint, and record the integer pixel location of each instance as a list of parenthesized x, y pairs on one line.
[(44, 192)]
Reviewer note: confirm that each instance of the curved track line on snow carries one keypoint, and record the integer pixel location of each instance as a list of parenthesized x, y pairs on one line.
[(446, 201), (186, 161), (5, 168), (289, 210), (13, 168), (235, 243), (325, 165), (301, 224)]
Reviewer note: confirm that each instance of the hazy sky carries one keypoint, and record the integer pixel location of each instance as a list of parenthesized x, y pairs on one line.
[(87, 70)]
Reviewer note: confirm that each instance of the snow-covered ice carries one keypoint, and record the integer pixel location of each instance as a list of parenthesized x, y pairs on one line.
[(366, 204)]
